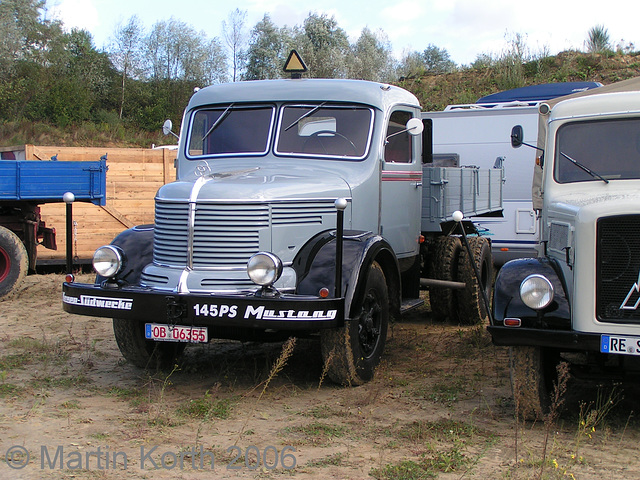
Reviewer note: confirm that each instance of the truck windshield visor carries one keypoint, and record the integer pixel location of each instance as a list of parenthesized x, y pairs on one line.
[(609, 149), (230, 130), (330, 131)]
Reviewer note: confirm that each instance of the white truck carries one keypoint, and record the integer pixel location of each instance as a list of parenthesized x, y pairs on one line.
[(477, 134), (579, 300), (301, 207)]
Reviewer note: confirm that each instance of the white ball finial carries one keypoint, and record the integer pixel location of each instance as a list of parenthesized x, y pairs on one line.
[(68, 197), (341, 203), (457, 216)]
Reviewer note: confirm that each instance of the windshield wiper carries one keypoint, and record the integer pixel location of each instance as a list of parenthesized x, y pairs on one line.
[(305, 115), (218, 121), (579, 165)]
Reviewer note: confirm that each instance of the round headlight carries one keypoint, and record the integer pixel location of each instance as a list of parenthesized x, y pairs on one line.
[(264, 268), (536, 291), (107, 261)]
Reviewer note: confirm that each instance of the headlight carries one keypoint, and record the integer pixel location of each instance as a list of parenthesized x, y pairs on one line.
[(264, 268), (536, 291), (108, 260)]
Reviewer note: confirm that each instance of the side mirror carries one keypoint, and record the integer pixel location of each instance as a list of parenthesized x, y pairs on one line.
[(415, 126), (517, 136), (167, 128)]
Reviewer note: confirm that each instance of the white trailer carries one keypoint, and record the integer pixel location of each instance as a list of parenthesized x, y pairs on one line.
[(479, 135)]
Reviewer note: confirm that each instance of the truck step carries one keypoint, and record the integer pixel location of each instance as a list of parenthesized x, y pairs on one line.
[(410, 304)]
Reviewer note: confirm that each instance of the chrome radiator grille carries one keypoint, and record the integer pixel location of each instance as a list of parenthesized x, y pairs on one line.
[(226, 234)]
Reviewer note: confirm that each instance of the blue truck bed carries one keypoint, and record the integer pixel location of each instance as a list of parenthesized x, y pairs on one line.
[(47, 181)]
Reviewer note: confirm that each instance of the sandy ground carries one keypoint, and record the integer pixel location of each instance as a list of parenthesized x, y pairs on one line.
[(440, 406)]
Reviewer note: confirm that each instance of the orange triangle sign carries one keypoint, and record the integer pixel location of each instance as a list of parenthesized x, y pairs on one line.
[(294, 63)]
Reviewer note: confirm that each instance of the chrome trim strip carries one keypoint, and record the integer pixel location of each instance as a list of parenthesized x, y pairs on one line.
[(254, 202), (191, 225)]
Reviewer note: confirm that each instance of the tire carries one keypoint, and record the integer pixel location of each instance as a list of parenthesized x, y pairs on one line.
[(470, 303), (446, 254), (14, 261), (352, 352), (141, 352), (533, 371)]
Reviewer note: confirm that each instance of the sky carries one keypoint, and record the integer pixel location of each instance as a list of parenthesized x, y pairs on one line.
[(465, 28)]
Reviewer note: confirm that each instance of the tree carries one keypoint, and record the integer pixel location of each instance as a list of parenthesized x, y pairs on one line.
[(432, 60), (598, 40), (437, 60), (215, 63), (126, 52), (236, 37), (265, 52), (370, 57), (175, 51), (74, 84), (324, 46), (24, 35), (411, 65)]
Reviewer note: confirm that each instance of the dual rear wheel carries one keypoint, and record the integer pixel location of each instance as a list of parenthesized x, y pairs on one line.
[(450, 261)]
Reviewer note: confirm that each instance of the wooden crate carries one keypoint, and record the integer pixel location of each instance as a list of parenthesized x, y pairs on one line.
[(133, 178)]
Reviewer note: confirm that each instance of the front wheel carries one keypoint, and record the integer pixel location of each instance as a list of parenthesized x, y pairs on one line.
[(532, 380), (14, 261), (143, 353), (352, 352)]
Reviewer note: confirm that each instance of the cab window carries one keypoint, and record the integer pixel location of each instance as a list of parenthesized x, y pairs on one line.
[(398, 145)]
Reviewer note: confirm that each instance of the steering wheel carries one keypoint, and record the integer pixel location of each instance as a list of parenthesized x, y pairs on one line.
[(316, 136)]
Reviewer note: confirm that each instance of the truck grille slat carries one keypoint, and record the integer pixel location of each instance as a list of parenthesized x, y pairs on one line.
[(226, 234)]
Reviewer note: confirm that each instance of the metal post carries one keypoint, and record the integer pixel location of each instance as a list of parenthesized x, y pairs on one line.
[(457, 217), (69, 198), (340, 204)]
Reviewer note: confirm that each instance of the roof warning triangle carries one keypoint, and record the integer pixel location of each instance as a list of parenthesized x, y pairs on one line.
[(295, 65)]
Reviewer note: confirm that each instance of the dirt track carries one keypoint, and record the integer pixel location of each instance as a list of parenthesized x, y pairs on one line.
[(439, 407)]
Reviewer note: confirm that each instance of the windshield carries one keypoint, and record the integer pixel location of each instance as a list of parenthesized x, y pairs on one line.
[(342, 131), (230, 130), (607, 149)]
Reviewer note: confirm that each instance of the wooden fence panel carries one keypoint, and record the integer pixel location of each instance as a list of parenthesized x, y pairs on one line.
[(133, 178)]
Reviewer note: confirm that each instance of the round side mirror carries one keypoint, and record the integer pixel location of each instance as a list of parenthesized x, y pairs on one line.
[(167, 127), (415, 126)]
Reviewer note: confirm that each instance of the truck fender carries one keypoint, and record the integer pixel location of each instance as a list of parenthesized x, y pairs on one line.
[(315, 267), (137, 246), (508, 304)]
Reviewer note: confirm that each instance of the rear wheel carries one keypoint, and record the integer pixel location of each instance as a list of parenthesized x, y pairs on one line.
[(470, 301), (351, 353), (446, 253), (14, 261), (143, 353)]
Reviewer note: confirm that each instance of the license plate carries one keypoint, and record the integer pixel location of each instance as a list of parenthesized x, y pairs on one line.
[(621, 345), (175, 333)]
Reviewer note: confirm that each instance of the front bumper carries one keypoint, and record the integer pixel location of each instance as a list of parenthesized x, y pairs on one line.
[(566, 340), (286, 312)]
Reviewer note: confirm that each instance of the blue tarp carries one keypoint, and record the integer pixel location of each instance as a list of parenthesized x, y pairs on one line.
[(538, 93)]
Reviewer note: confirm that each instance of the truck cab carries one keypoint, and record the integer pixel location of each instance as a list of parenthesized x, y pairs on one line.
[(578, 301)]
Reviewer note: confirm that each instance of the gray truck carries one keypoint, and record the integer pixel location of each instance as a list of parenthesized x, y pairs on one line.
[(578, 301), (301, 207)]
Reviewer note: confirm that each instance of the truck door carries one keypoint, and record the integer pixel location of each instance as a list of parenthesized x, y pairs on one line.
[(401, 182)]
